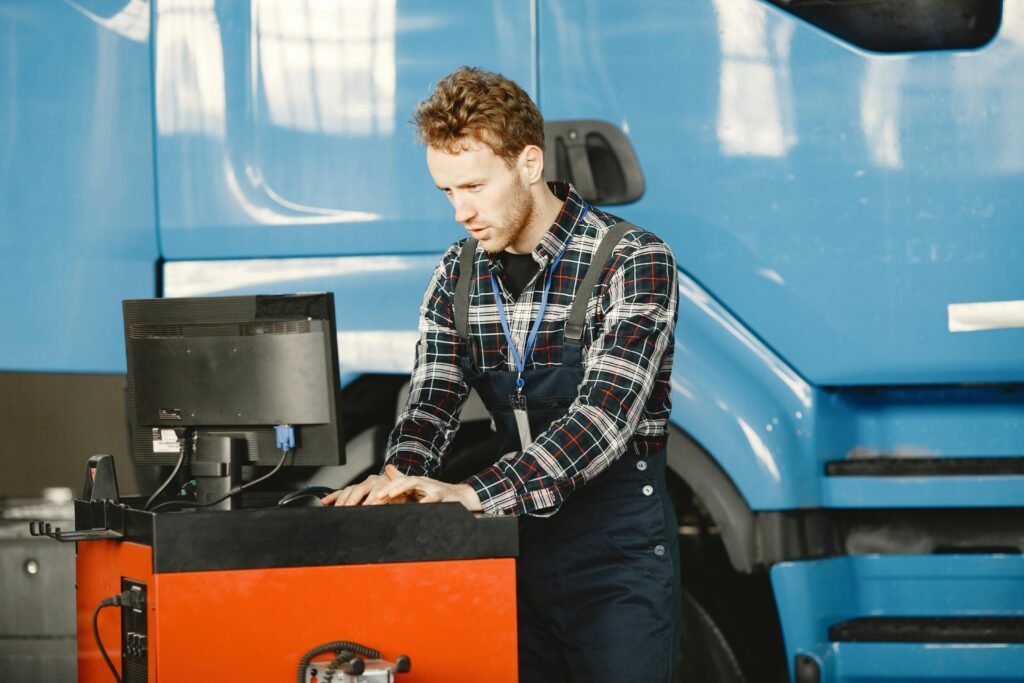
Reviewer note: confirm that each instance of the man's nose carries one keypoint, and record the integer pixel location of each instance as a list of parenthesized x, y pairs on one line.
[(464, 211)]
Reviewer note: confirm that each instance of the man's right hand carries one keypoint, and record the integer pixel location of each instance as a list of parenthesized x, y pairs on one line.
[(365, 492)]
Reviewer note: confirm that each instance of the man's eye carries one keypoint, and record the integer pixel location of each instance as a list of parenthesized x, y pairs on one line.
[(474, 188)]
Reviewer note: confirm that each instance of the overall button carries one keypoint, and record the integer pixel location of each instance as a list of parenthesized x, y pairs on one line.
[(659, 550), (648, 490), (641, 465)]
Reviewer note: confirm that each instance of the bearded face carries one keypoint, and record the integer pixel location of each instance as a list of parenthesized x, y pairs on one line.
[(490, 198), (508, 228)]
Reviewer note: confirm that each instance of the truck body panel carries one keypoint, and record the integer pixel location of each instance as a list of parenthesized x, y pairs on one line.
[(846, 225)]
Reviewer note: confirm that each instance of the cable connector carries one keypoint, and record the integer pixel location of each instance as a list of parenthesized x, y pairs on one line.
[(285, 437), (134, 598), (131, 598)]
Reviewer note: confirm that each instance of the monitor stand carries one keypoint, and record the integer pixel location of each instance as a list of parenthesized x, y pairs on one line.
[(217, 468)]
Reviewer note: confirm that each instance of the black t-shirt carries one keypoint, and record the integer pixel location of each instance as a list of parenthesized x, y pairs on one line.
[(519, 270)]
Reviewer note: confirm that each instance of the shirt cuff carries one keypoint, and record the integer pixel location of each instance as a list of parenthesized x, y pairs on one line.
[(497, 496), (407, 463)]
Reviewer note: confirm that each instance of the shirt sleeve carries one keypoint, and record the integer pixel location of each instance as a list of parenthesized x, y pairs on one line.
[(635, 326), (425, 429)]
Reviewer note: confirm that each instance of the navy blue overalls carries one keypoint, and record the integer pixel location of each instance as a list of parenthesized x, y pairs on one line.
[(598, 581)]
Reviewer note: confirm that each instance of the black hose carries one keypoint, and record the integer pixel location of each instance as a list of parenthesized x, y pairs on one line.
[(335, 646)]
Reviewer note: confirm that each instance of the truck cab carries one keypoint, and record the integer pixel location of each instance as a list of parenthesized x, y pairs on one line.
[(839, 182)]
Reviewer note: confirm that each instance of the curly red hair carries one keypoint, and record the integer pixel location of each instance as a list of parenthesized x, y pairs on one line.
[(473, 104)]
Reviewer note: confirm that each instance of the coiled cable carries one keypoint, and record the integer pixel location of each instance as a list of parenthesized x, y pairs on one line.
[(337, 647)]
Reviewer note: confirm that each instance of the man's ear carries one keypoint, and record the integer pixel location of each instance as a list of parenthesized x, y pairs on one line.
[(531, 164)]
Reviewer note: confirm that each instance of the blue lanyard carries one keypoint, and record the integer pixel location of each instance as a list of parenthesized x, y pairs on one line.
[(520, 362)]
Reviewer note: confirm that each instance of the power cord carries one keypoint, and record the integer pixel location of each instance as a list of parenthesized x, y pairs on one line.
[(130, 598), (187, 440), (285, 441)]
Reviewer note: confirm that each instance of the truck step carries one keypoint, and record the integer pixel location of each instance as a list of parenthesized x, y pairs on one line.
[(929, 630), (886, 618)]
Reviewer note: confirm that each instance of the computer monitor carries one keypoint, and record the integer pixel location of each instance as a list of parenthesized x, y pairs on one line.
[(234, 367)]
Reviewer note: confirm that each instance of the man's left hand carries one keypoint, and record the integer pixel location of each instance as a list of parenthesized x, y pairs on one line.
[(426, 490)]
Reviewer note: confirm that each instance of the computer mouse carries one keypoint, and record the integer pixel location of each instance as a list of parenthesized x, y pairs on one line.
[(307, 494)]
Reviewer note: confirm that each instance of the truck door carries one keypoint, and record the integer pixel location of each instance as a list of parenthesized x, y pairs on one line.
[(283, 126)]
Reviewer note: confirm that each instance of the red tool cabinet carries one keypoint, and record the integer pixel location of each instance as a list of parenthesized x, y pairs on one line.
[(242, 595)]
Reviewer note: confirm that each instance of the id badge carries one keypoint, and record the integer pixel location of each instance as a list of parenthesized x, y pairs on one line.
[(518, 402)]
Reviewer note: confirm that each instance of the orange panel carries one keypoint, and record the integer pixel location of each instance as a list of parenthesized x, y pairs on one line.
[(456, 619), (99, 566)]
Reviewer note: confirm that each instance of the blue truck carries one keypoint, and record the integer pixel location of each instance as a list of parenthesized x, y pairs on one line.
[(842, 184)]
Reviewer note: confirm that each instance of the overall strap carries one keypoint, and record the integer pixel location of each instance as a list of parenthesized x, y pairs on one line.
[(467, 263), (578, 313)]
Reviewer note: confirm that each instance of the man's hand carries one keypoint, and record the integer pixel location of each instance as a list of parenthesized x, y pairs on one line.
[(425, 490), (365, 492)]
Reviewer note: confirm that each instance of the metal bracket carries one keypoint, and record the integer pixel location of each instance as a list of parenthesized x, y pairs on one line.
[(46, 529)]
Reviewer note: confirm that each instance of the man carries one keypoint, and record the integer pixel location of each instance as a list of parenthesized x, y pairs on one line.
[(575, 372)]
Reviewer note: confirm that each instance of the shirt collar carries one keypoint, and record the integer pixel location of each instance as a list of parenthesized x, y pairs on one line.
[(566, 223), (562, 230)]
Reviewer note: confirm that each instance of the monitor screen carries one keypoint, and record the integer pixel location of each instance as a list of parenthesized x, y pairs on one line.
[(237, 367)]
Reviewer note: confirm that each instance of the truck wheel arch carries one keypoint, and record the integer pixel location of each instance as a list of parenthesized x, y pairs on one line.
[(695, 466)]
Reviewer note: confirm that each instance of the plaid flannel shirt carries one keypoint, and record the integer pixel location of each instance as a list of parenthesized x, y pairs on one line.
[(624, 400)]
